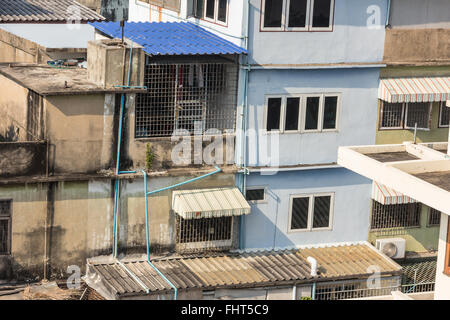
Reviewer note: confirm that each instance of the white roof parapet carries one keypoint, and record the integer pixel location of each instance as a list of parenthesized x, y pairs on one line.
[(401, 176)]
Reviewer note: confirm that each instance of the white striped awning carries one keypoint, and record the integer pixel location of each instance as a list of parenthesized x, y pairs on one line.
[(209, 203), (430, 89), (385, 195)]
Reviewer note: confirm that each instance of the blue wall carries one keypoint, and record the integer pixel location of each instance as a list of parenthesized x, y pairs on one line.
[(350, 41), (357, 120), (267, 225)]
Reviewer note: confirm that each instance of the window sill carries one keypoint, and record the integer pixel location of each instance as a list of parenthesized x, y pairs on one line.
[(309, 230)]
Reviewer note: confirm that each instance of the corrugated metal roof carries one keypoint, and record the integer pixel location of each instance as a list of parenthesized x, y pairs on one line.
[(171, 38), (13, 11), (209, 203), (244, 270)]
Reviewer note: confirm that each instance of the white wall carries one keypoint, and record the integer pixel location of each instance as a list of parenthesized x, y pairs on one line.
[(442, 288), (53, 35), (233, 31)]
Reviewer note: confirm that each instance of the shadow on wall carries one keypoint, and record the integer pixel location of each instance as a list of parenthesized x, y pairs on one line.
[(10, 135), (270, 236)]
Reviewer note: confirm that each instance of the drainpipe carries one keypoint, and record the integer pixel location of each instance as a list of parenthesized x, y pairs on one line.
[(388, 14), (146, 194), (244, 119)]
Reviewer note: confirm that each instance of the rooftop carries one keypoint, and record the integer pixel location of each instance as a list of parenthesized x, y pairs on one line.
[(49, 11), (171, 38), (47, 80), (418, 171), (238, 270)]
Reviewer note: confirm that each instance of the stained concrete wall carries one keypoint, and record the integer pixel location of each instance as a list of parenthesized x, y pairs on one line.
[(108, 63), (76, 222), (13, 108), (22, 158), (418, 46), (78, 128), (18, 49)]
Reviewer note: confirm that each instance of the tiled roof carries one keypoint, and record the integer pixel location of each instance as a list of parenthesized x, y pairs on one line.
[(171, 38), (251, 269), (32, 11)]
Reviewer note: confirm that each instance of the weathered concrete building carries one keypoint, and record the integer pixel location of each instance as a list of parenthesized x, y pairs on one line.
[(60, 146)]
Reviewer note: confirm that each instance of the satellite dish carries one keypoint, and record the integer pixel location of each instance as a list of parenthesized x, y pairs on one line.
[(389, 249)]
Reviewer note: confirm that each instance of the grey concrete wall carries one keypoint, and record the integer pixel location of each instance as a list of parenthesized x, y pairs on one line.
[(108, 63), (420, 14)]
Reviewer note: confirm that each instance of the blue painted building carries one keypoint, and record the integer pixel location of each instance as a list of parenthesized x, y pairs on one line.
[(307, 86)]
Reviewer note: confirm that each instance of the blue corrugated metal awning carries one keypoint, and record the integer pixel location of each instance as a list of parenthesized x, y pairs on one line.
[(170, 38)]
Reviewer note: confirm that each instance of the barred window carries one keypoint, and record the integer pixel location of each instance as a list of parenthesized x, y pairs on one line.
[(444, 116), (392, 115), (193, 97), (395, 215), (405, 115), (418, 113), (434, 217), (204, 233), (5, 227)]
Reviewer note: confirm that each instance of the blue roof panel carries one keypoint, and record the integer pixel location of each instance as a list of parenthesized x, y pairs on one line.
[(171, 38)]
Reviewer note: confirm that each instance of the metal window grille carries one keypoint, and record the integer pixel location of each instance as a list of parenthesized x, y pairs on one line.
[(395, 216), (392, 115), (434, 217), (444, 120), (418, 113), (191, 96), (5, 226), (355, 289), (210, 233)]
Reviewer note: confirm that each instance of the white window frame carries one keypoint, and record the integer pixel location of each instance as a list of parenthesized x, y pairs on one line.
[(302, 112), (308, 14), (216, 13), (285, 18), (266, 112), (311, 197), (441, 109), (258, 188), (330, 27), (338, 108)]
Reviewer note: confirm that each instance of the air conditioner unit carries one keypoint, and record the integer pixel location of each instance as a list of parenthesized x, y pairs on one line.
[(392, 247)]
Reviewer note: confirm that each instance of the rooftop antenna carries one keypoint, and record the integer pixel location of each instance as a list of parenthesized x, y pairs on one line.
[(122, 25)]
